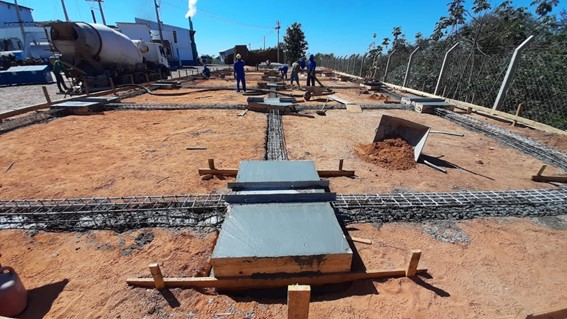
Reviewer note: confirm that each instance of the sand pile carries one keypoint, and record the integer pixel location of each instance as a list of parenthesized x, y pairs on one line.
[(394, 154)]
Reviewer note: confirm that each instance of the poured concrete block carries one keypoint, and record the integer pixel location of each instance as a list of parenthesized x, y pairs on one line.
[(416, 99), (280, 238), (429, 107), (267, 175)]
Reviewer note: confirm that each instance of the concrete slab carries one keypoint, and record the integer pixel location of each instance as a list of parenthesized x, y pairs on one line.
[(269, 175), (280, 238)]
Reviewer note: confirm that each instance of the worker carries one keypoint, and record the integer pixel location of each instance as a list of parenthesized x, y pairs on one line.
[(239, 73), (311, 66), (206, 72), (57, 68), (283, 69), (302, 63), (295, 73)]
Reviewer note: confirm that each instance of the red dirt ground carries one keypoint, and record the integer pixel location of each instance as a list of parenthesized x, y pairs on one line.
[(495, 267), (395, 154), (489, 267)]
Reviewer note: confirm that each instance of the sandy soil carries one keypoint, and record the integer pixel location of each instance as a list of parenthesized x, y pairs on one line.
[(126, 153), (477, 269), (484, 163)]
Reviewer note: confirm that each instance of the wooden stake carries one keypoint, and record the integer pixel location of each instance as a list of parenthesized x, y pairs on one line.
[(341, 164), (46, 94), (211, 163), (147, 77), (87, 88), (131, 79), (158, 277), (543, 167), (414, 260), (112, 84), (298, 297)]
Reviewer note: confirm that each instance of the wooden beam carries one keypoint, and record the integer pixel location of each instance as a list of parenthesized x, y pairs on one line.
[(359, 240), (548, 179), (341, 161), (234, 172), (157, 276), (484, 110), (559, 313), (243, 283), (412, 266), (333, 173), (211, 164), (298, 297)]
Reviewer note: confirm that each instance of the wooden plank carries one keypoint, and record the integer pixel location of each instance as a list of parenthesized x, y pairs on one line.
[(558, 313), (211, 163), (359, 240), (414, 261), (243, 283), (228, 171), (248, 266), (157, 276), (484, 110), (298, 297), (547, 179), (333, 173), (543, 167), (234, 172)]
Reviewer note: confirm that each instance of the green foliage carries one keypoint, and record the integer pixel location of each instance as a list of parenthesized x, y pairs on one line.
[(294, 44)]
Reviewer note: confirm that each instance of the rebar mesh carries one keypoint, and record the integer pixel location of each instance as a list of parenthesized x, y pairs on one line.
[(275, 142), (207, 212), (521, 143)]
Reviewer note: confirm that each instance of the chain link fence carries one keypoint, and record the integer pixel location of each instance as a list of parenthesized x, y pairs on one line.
[(539, 82)]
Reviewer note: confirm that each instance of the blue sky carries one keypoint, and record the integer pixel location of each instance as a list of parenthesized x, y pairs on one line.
[(334, 26)]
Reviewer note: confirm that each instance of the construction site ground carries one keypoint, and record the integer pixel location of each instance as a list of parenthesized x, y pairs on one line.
[(479, 268)]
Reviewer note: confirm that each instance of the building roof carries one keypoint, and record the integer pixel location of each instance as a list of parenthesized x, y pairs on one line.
[(13, 4)]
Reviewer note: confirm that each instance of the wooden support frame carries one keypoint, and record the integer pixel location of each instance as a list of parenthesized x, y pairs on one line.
[(212, 170), (243, 283), (298, 297), (157, 276), (546, 179), (274, 280)]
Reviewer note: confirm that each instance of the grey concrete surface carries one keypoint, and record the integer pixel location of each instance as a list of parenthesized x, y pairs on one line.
[(18, 96)]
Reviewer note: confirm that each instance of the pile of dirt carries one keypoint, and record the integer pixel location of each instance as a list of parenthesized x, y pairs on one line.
[(394, 154)]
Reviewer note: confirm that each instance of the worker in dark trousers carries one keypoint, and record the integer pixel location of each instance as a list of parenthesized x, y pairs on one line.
[(57, 68), (311, 66), (239, 73), (295, 74), (283, 69), (206, 72)]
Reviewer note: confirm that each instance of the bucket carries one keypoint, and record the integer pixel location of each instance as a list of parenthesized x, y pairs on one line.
[(13, 295)]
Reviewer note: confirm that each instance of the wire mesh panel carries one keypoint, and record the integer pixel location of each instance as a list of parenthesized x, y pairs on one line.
[(540, 85)]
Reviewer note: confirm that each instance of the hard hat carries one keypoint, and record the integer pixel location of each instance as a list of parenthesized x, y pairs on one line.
[(238, 56)]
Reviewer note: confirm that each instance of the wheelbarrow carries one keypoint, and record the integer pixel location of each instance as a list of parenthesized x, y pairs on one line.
[(312, 91)]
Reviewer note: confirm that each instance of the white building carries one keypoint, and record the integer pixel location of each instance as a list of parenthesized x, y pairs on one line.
[(33, 42), (182, 47)]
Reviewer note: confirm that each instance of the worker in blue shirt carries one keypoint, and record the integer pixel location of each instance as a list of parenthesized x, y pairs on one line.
[(239, 73), (311, 66), (283, 69), (302, 63), (206, 72)]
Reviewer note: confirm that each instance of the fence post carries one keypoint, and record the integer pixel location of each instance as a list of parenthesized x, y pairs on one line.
[(361, 65), (409, 66), (510, 73), (443, 67), (388, 66)]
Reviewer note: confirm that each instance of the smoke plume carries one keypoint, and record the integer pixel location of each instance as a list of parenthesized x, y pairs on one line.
[(192, 9)]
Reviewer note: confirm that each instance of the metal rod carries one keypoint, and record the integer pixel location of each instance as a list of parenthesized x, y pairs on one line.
[(388, 66), (510, 74), (409, 67), (65, 10), (101, 12), (159, 23), (21, 23), (443, 67)]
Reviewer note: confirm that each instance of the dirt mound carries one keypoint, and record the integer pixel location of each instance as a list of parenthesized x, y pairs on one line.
[(394, 154)]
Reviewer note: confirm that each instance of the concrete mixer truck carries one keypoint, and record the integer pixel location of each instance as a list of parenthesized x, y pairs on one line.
[(95, 53)]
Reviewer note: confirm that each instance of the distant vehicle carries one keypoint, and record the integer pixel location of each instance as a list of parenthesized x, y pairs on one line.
[(206, 59), (95, 53)]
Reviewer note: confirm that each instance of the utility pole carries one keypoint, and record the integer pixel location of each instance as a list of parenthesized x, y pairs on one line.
[(21, 23), (264, 43), (100, 8), (158, 23), (278, 28), (65, 10)]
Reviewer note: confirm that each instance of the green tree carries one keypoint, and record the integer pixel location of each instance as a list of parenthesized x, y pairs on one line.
[(294, 44)]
